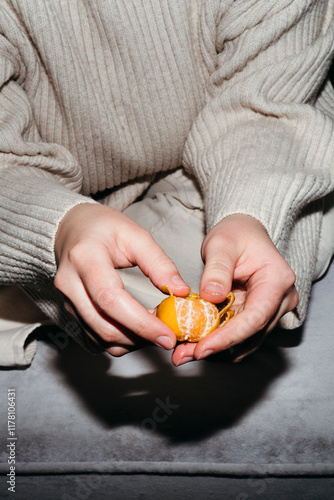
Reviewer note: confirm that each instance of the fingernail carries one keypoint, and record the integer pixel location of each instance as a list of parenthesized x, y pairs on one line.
[(165, 342), (185, 360), (205, 354), (214, 288), (178, 281)]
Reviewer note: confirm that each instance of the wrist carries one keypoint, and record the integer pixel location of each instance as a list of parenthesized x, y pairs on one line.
[(67, 226), (239, 225), (242, 220)]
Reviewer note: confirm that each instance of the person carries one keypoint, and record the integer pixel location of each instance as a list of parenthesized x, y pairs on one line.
[(99, 98)]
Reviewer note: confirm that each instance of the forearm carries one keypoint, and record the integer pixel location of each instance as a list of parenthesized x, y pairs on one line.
[(261, 146), (264, 143), (31, 208)]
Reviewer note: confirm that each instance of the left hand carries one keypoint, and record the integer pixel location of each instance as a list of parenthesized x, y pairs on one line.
[(93, 241), (239, 256)]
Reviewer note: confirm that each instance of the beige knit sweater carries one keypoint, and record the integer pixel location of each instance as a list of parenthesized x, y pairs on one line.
[(101, 94)]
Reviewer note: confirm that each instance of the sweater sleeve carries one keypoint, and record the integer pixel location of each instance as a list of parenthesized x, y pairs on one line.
[(39, 181), (261, 146)]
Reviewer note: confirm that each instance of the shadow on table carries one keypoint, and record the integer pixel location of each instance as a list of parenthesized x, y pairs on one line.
[(183, 405)]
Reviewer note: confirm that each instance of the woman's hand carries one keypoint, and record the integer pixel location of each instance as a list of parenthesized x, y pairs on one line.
[(92, 241), (239, 256)]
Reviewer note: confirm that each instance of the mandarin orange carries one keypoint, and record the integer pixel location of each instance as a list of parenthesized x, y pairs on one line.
[(192, 318)]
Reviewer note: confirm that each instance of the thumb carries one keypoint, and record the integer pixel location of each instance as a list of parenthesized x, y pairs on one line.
[(219, 259)]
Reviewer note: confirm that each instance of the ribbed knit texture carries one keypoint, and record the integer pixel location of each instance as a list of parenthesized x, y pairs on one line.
[(99, 95)]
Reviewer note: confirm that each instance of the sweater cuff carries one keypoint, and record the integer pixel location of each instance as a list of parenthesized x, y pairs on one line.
[(265, 179), (31, 211), (18, 346)]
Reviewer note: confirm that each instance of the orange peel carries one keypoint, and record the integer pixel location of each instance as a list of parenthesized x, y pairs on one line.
[(192, 318)]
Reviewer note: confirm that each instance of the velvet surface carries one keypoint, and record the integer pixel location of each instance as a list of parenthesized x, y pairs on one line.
[(269, 416), (148, 487), (75, 407)]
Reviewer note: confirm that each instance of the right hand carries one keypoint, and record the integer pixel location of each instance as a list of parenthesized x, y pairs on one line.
[(92, 241), (240, 256)]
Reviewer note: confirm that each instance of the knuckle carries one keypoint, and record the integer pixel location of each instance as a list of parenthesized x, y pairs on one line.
[(107, 335), (260, 323), (281, 276), (77, 254), (142, 326), (289, 277), (214, 240), (146, 234), (236, 337), (60, 280), (110, 333), (256, 321), (142, 233), (217, 267), (270, 304), (107, 298), (161, 261)]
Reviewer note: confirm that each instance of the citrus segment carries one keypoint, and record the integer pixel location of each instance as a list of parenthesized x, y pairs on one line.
[(192, 318)]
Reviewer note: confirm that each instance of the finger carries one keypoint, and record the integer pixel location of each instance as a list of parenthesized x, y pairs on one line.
[(95, 324), (112, 348), (118, 351), (247, 347), (88, 331), (133, 342), (105, 289), (159, 268), (217, 276), (183, 353), (261, 306), (288, 304), (122, 337), (107, 309)]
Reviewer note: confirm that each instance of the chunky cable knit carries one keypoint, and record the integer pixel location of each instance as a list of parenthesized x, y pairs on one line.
[(100, 95)]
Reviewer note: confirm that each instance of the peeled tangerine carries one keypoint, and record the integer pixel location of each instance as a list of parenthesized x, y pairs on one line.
[(192, 318)]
